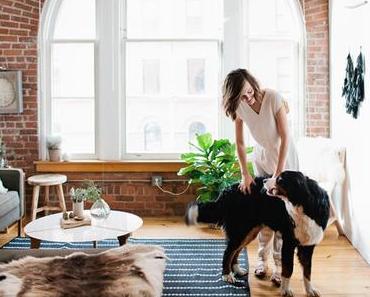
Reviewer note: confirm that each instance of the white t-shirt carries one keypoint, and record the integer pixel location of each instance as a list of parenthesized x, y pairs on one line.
[(263, 128)]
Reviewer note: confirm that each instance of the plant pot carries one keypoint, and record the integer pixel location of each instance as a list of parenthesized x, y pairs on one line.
[(78, 209), (55, 155), (100, 209)]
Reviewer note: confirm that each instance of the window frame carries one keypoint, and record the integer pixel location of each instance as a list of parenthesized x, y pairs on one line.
[(109, 46), (124, 39)]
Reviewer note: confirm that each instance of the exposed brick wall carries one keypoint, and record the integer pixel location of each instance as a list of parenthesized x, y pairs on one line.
[(18, 51), (132, 192), (317, 74)]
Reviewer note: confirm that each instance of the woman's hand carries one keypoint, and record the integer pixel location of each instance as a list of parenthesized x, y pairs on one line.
[(245, 184)]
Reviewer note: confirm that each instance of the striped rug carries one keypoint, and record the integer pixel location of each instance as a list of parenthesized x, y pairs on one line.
[(193, 268)]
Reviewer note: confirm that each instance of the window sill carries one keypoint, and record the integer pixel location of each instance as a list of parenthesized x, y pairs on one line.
[(109, 166)]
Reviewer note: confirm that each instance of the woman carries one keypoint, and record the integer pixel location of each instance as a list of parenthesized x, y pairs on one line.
[(264, 113)]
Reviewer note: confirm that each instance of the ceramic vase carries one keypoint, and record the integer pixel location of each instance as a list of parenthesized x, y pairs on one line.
[(78, 209)]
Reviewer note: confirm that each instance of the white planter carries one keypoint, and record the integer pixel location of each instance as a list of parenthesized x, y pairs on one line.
[(55, 155), (78, 209)]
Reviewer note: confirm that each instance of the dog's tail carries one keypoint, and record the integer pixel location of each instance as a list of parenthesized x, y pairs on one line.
[(203, 213)]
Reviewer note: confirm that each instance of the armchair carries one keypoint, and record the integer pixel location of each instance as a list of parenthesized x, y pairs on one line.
[(12, 202)]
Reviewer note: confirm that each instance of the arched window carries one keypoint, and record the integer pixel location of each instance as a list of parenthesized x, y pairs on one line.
[(152, 137), (106, 66)]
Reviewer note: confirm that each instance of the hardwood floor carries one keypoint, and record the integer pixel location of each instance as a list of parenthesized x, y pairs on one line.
[(338, 269)]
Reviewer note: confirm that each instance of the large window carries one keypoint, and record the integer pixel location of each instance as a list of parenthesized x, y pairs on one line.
[(125, 79)]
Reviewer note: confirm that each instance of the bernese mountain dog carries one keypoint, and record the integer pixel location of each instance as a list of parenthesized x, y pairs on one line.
[(292, 204)]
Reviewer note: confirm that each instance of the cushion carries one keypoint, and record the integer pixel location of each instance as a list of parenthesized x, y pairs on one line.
[(3, 190), (130, 270), (8, 202)]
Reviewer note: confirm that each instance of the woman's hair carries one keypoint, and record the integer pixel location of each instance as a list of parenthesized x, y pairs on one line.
[(233, 87)]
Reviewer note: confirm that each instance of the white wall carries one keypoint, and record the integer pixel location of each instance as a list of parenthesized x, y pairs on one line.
[(349, 32)]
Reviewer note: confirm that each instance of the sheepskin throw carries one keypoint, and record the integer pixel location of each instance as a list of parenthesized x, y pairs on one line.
[(127, 271)]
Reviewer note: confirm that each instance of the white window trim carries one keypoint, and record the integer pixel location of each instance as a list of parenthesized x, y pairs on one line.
[(110, 74)]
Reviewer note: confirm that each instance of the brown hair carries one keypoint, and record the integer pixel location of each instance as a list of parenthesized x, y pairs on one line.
[(233, 87)]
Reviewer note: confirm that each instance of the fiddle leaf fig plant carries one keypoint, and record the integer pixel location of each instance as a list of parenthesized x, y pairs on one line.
[(213, 166)]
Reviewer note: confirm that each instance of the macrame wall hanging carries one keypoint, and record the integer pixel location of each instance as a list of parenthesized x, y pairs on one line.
[(354, 86)]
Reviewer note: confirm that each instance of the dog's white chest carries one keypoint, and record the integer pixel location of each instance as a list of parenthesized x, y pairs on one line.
[(306, 230)]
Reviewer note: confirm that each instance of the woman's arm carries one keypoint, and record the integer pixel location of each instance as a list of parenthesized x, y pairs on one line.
[(247, 180), (283, 130)]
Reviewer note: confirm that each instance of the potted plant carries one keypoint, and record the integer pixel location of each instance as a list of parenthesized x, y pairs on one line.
[(213, 166), (53, 144), (78, 197)]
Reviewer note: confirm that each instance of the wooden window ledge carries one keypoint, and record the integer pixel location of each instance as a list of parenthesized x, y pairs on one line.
[(109, 166)]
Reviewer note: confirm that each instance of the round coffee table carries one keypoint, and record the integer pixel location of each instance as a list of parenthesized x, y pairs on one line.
[(118, 224)]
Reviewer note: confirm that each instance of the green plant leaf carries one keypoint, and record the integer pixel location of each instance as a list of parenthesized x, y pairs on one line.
[(214, 167), (205, 141)]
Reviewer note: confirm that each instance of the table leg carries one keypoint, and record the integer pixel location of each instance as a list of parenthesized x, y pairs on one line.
[(35, 243), (123, 239)]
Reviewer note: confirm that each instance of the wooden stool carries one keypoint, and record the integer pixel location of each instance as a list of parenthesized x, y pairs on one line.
[(47, 180)]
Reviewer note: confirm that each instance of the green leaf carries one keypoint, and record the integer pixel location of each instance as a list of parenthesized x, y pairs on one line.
[(249, 149), (214, 167), (205, 141)]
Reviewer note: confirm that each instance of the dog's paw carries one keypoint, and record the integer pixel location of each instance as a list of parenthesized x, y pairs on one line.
[(276, 279), (230, 278), (261, 270), (313, 293), (287, 293), (239, 271)]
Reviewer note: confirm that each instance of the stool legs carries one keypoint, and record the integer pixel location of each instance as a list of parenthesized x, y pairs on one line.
[(35, 200), (46, 198), (61, 198)]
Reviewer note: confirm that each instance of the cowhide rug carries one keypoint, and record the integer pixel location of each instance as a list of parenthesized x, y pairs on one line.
[(130, 270)]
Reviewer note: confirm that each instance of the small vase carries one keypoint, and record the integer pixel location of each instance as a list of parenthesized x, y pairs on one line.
[(78, 209), (100, 209)]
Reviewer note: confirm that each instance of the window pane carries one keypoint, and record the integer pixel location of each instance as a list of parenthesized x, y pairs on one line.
[(75, 20), (195, 128), (152, 137), (269, 17), (188, 92), (196, 76), (72, 70), (174, 18), (73, 119), (150, 76), (275, 64)]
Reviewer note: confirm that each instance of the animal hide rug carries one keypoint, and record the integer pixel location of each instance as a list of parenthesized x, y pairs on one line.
[(129, 271)]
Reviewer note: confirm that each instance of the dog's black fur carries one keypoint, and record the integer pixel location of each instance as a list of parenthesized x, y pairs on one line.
[(242, 216)]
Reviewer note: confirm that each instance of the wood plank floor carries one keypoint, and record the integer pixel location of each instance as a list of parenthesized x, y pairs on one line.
[(338, 269)]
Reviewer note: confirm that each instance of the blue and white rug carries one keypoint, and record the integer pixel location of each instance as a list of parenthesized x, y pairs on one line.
[(194, 267)]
